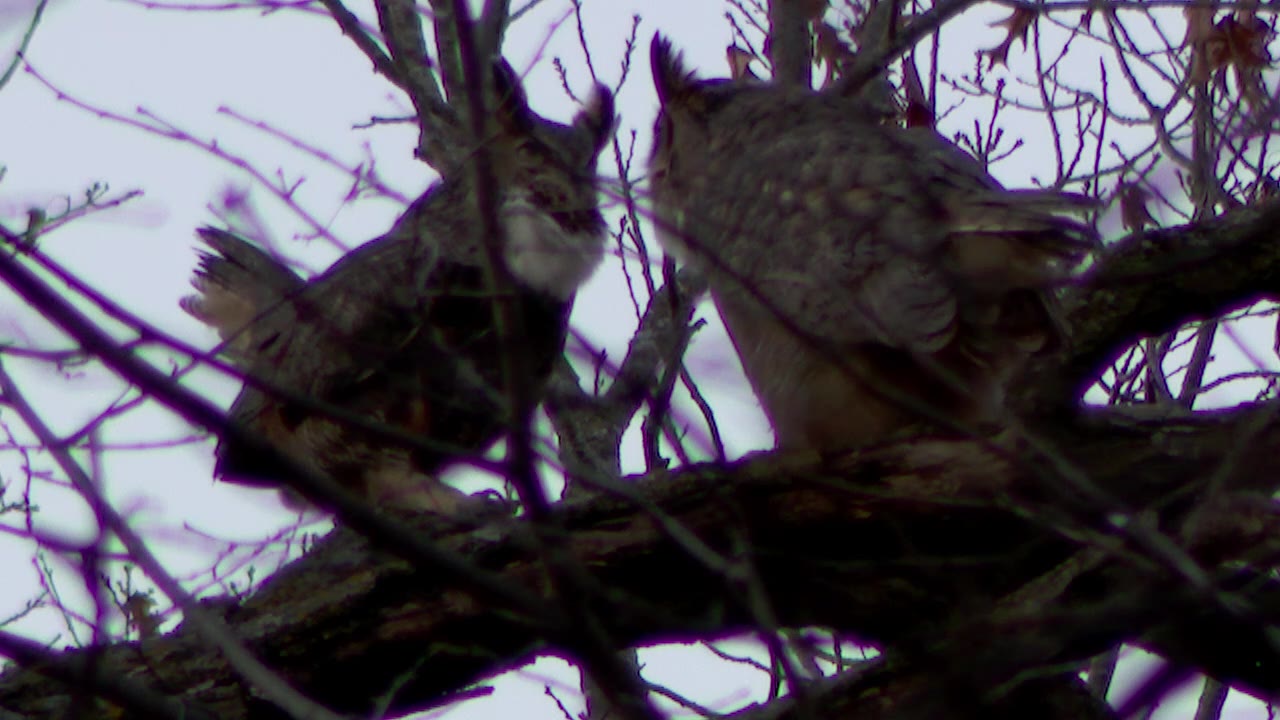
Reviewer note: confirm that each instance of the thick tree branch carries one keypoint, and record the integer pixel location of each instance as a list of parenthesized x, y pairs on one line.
[(1227, 648), (442, 138), (880, 544), (883, 690), (1151, 283), (65, 670), (789, 41), (445, 29), (893, 43), (350, 26), (590, 427)]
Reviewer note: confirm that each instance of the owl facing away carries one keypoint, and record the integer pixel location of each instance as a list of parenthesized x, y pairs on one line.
[(401, 331), (869, 276)]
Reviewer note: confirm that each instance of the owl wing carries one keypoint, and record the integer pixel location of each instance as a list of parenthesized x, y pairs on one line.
[(396, 336), (998, 239), (353, 342), (242, 293), (857, 232), (823, 242)]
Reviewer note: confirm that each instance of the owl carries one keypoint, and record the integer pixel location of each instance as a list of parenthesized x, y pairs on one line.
[(869, 276), (401, 331)]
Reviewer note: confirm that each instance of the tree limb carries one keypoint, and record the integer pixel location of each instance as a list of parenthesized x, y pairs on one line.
[(1151, 283), (879, 544), (442, 140), (789, 42)]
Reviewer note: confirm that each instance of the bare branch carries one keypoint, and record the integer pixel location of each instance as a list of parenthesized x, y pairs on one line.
[(441, 134), (210, 628), (789, 52)]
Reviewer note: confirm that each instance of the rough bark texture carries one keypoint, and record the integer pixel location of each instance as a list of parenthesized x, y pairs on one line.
[(880, 544), (962, 553), (987, 568), (1152, 282)]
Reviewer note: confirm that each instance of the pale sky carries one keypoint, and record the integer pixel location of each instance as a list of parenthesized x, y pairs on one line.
[(295, 72)]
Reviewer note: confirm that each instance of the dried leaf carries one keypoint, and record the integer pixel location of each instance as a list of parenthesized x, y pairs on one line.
[(1134, 214), (1236, 42), (919, 112), (830, 49), (138, 615), (739, 63), (1246, 38), (1016, 27)]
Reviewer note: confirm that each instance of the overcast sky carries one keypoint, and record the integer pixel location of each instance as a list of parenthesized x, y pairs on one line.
[(295, 72)]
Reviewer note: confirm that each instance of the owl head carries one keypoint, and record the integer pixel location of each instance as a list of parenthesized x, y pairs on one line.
[(548, 189), (687, 108), (696, 119), (528, 141)]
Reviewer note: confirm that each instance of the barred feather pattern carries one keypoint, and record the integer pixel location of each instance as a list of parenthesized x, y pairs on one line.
[(400, 332), (853, 260)]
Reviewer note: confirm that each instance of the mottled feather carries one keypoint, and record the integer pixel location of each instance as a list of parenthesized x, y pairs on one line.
[(400, 332), (853, 260)]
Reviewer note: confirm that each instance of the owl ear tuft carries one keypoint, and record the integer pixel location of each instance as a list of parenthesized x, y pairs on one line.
[(512, 105), (597, 119), (669, 75)]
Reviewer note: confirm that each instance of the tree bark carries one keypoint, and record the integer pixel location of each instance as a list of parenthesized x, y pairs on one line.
[(957, 553), (922, 544)]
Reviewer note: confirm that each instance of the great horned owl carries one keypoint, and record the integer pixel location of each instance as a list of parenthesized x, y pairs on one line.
[(401, 331), (867, 274)]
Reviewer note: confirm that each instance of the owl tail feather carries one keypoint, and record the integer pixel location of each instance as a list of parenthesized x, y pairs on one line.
[(237, 282), (1022, 238)]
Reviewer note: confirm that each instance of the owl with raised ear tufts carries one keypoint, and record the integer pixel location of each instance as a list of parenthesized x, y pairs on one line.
[(870, 276), (401, 331)]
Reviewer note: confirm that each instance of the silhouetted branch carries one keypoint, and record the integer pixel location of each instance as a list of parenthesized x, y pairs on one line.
[(590, 427), (880, 690), (211, 629), (870, 64), (442, 141), (879, 544), (1153, 282), (789, 42), (43, 688)]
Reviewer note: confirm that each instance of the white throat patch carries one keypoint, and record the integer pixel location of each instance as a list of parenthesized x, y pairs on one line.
[(542, 254)]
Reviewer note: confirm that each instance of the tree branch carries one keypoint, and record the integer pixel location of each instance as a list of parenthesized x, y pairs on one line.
[(789, 42), (871, 64), (47, 678), (1151, 283), (442, 140), (879, 544)]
